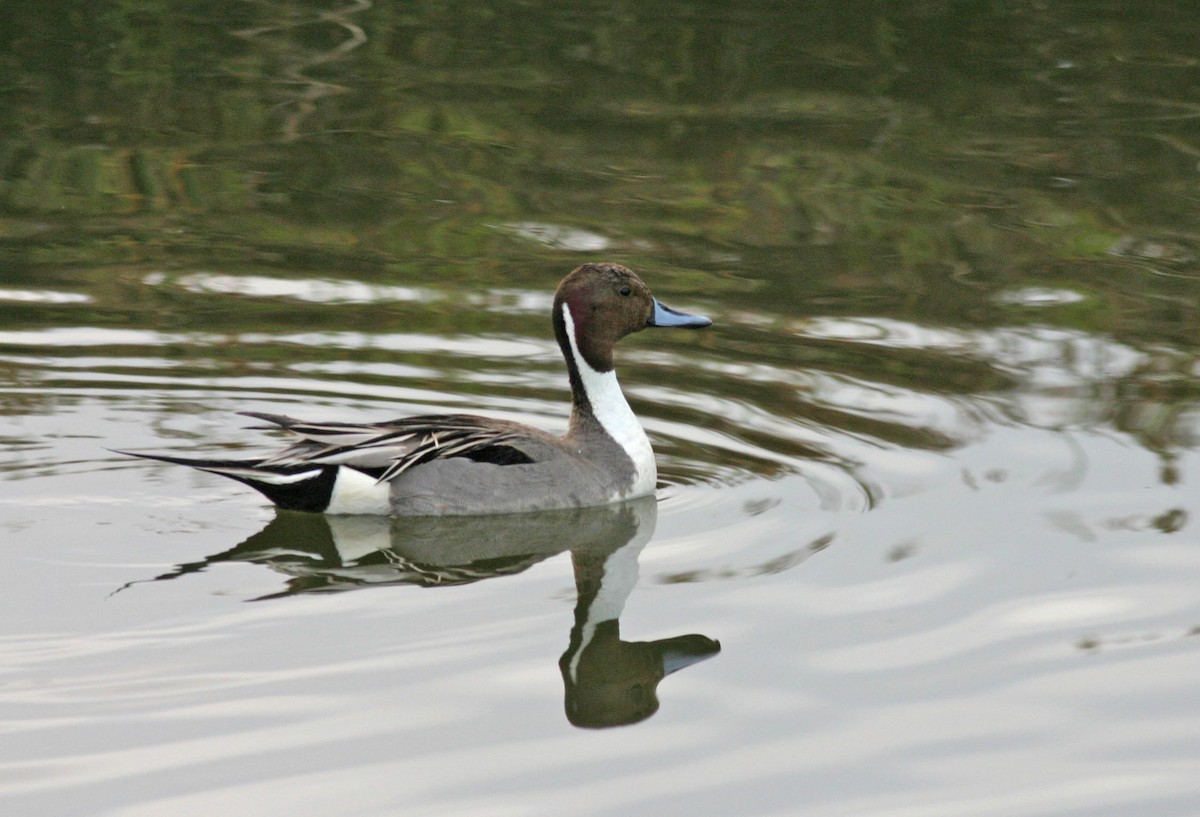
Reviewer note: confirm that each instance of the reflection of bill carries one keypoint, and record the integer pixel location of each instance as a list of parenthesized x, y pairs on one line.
[(608, 682)]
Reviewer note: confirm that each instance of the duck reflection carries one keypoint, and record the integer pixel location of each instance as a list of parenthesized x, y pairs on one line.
[(607, 681), (610, 682)]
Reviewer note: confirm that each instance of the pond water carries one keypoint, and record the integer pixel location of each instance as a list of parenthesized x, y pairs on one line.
[(924, 540)]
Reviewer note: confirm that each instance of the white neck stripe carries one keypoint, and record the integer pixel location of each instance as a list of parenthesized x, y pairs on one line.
[(612, 411)]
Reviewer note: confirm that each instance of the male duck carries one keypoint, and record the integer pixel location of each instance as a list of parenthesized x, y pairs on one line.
[(443, 464)]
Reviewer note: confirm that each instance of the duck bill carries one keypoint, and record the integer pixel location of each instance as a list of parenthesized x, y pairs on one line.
[(666, 316)]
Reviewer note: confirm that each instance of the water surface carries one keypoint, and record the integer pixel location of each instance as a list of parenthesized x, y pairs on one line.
[(924, 541)]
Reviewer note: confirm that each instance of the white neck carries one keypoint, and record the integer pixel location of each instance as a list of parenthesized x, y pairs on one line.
[(612, 411)]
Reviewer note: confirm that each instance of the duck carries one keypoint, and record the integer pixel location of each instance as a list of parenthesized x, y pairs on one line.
[(464, 464)]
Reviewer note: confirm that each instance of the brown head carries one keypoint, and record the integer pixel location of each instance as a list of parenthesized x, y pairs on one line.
[(607, 302)]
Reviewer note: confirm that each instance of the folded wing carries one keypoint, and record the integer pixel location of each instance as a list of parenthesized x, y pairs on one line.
[(388, 449)]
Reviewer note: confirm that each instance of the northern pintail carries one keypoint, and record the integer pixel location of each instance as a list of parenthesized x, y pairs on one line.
[(444, 464)]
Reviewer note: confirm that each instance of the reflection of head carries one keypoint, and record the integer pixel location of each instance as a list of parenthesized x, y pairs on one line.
[(613, 683), (616, 682), (610, 682)]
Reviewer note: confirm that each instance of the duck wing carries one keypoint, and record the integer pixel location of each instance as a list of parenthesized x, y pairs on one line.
[(388, 449)]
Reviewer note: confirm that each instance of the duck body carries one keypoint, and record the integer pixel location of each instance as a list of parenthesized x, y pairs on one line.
[(456, 464)]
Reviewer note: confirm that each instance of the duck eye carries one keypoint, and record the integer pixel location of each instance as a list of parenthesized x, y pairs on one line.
[(626, 290)]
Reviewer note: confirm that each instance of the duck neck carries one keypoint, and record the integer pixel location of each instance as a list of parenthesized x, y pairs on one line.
[(596, 396)]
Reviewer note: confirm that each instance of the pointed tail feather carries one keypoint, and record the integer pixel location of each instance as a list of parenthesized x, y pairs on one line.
[(277, 421), (292, 487)]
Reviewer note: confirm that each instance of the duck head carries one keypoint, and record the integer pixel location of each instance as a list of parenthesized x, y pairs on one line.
[(600, 303)]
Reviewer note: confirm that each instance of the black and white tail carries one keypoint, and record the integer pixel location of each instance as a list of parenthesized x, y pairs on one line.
[(291, 487)]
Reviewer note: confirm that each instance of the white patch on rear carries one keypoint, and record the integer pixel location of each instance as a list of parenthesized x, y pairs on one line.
[(356, 493), (615, 416)]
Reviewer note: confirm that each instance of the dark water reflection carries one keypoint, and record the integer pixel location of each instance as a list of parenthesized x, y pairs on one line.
[(608, 681), (930, 477)]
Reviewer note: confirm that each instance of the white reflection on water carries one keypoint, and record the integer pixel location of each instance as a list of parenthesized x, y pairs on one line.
[(1042, 351), (43, 296), (1000, 622), (485, 346), (1040, 297), (63, 336), (560, 237), (506, 347), (319, 290), (322, 290)]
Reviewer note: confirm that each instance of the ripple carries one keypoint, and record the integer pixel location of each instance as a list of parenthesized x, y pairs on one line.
[(889, 332), (65, 336), (43, 296), (327, 291), (1157, 60), (1039, 297), (872, 542), (560, 237), (1066, 610)]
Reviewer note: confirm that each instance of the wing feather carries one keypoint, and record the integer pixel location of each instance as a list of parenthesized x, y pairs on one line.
[(397, 445)]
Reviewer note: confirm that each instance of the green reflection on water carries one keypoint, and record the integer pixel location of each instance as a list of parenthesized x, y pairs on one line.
[(850, 153), (946, 165)]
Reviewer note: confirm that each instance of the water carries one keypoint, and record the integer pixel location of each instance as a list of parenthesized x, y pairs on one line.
[(924, 541)]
